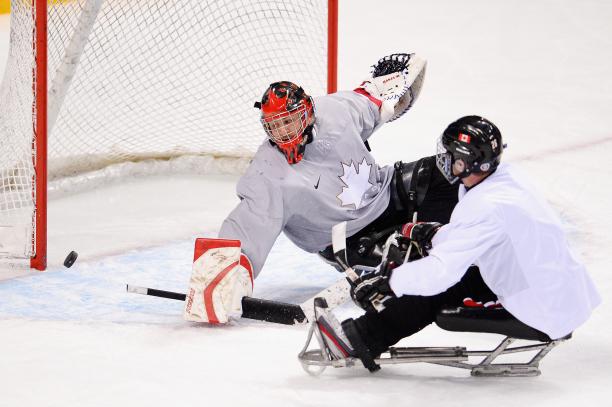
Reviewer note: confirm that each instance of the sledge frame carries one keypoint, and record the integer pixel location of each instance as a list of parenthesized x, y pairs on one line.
[(315, 361)]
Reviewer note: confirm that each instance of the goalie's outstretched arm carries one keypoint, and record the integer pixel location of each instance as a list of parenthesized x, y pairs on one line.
[(224, 269), (394, 84), (258, 219)]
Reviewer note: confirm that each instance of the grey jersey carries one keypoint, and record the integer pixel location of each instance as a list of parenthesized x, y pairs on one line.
[(337, 180)]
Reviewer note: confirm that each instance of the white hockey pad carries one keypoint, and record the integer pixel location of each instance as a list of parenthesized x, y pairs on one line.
[(220, 277), (396, 92)]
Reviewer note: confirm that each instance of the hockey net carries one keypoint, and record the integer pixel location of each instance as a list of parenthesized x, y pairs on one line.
[(140, 86)]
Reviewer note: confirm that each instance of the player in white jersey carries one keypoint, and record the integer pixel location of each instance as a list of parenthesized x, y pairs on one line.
[(314, 171), (503, 226)]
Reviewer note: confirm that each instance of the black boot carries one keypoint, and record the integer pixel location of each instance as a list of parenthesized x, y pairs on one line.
[(359, 347)]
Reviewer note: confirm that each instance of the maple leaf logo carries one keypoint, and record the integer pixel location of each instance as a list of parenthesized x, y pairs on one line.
[(356, 181)]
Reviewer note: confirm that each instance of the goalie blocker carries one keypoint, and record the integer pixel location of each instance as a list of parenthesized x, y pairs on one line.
[(220, 277)]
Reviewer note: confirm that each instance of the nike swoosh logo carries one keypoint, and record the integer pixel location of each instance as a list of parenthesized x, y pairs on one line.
[(317, 184)]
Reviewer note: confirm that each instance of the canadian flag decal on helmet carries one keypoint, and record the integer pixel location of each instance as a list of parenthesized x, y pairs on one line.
[(464, 138)]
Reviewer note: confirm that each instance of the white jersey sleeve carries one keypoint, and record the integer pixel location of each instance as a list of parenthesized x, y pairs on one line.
[(346, 113), (364, 112), (258, 219), (456, 247)]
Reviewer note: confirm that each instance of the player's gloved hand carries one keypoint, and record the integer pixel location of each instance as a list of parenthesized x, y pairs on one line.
[(420, 234), (372, 290)]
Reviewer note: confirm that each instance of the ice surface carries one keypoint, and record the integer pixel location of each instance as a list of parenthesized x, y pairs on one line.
[(539, 69)]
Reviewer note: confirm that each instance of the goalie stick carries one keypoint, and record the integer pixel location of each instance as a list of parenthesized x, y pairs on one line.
[(339, 248), (267, 310), (414, 220), (252, 308)]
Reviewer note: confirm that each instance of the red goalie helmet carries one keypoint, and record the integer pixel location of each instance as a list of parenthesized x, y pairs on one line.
[(287, 117)]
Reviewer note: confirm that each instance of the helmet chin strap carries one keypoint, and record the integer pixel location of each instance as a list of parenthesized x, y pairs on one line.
[(466, 173)]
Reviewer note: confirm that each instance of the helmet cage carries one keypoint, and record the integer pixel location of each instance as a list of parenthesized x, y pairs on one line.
[(285, 127), (444, 162), (286, 115)]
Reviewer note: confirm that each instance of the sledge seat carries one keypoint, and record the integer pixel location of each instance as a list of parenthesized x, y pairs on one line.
[(489, 320)]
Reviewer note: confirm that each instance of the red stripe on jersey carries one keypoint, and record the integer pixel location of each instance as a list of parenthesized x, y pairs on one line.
[(363, 92)]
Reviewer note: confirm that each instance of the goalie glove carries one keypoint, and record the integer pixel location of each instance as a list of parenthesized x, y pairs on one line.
[(220, 277), (395, 84)]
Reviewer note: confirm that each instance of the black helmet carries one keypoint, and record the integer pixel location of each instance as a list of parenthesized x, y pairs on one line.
[(470, 145)]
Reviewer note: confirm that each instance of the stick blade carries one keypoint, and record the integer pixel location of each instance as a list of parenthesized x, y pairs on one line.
[(136, 289), (339, 237)]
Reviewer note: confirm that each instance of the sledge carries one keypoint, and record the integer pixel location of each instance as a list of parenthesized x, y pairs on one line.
[(459, 319)]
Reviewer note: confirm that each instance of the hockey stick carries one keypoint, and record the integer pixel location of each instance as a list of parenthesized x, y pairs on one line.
[(414, 219), (339, 248), (335, 295), (252, 308), (266, 310)]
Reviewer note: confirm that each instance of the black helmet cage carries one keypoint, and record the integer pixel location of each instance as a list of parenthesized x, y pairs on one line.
[(471, 145)]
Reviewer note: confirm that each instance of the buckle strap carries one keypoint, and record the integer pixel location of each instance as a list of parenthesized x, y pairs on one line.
[(412, 182)]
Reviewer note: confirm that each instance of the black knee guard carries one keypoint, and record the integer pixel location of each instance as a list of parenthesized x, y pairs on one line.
[(419, 186), (411, 182)]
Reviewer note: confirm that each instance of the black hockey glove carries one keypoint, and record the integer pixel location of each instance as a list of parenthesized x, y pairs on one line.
[(372, 290), (420, 235)]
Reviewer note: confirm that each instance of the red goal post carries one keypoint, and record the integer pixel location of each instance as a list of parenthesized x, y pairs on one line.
[(91, 85)]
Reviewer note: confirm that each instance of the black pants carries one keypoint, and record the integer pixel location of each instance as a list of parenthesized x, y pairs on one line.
[(409, 314)]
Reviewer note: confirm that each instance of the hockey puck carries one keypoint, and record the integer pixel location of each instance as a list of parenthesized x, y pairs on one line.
[(71, 258)]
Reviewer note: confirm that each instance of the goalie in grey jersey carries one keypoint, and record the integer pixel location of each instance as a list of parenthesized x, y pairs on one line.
[(314, 171)]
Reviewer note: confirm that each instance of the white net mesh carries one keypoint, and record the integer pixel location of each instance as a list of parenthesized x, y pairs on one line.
[(16, 135), (132, 80)]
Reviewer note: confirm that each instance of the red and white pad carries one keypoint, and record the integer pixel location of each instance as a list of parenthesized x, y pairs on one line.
[(220, 277)]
